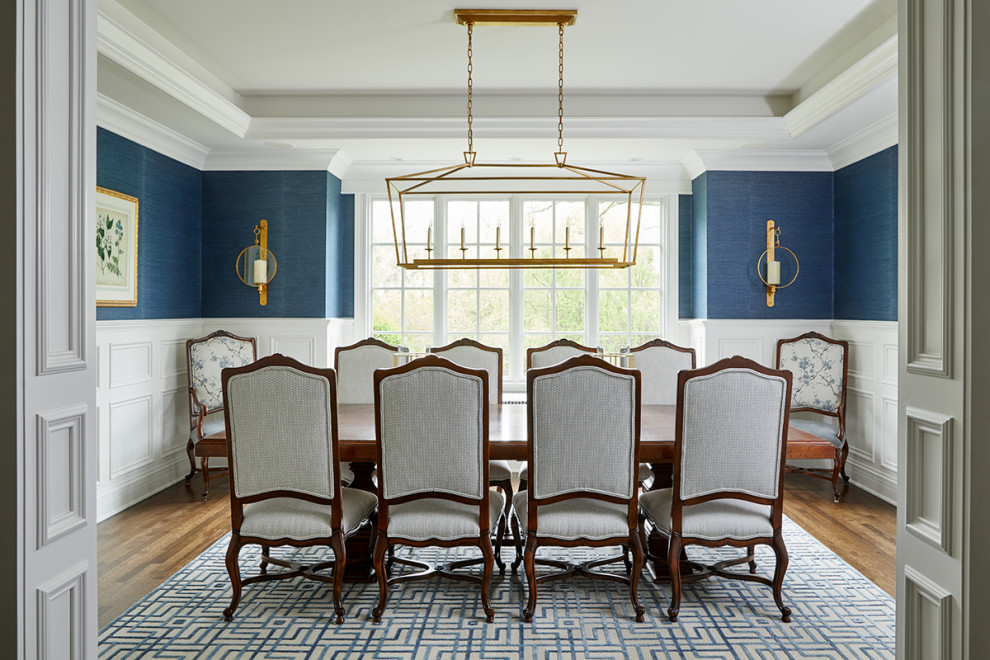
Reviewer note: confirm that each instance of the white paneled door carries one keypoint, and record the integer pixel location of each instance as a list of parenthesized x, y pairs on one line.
[(52, 309), (943, 588)]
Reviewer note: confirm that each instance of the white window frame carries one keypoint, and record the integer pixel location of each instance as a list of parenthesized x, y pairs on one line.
[(514, 380)]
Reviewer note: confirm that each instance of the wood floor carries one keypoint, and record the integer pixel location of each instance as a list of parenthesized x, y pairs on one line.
[(142, 546)]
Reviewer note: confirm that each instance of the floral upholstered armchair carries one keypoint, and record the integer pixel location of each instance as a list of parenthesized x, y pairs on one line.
[(206, 358), (820, 367)]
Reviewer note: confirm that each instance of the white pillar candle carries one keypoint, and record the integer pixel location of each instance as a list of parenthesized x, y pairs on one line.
[(773, 272), (260, 271)]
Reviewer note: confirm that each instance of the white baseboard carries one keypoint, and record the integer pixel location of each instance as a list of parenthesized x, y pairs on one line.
[(118, 494)]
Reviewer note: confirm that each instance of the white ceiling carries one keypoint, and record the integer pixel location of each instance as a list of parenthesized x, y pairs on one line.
[(384, 80)]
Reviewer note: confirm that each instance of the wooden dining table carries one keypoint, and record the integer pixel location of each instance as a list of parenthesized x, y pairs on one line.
[(507, 436)]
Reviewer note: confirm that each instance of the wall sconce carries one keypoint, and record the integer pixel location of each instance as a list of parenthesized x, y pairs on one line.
[(772, 279), (256, 264)]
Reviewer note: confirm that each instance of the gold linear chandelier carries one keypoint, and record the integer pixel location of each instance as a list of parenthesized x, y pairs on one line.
[(474, 180)]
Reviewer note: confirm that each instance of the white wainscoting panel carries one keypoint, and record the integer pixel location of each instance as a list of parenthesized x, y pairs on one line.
[(143, 396), (61, 474), (871, 413)]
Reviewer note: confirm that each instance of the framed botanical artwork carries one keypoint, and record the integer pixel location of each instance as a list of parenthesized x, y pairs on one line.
[(116, 249)]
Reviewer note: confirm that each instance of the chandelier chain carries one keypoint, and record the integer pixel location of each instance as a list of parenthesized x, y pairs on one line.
[(560, 90), (470, 101)]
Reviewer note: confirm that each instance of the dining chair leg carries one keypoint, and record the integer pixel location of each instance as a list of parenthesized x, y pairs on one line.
[(265, 554), (234, 571), (378, 561), (836, 468), (529, 559), (842, 464), (517, 537), (780, 550), (192, 459), (485, 541), (674, 564), (499, 534), (752, 561), (637, 567), (339, 565), (205, 463)]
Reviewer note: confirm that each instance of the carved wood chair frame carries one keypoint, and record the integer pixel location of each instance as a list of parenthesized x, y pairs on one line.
[(384, 542)]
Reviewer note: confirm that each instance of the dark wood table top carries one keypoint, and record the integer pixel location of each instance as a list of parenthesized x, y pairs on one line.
[(507, 432)]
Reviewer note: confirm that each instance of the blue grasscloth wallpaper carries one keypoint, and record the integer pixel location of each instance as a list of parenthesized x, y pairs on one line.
[(685, 261), (866, 238), (295, 206), (170, 198)]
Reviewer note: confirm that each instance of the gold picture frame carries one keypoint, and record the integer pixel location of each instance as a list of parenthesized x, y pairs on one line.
[(116, 249)]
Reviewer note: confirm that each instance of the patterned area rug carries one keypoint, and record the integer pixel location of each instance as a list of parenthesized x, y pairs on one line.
[(837, 613)]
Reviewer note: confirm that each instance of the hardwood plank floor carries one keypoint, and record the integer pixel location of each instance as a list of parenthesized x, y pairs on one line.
[(142, 546)]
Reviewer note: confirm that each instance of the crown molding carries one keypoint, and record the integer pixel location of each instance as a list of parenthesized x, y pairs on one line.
[(134, 126), (121, 46), (865, 143), (778, 160), (322, 128), (334, 161), (875, 68), (662, 177)]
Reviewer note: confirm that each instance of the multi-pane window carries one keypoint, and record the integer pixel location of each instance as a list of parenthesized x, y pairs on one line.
[(519, 308)]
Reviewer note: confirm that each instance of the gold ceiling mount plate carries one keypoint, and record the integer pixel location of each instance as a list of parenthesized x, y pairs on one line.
[(514, 17)]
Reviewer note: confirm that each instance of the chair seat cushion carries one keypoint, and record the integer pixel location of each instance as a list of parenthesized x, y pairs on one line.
[(213, 423), (300, 520), (645, 472), (499, 471), (821, 429), (715, 520), (440, 519), (578, 518)]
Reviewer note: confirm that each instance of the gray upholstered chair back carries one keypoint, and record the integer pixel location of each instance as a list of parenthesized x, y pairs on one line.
[(584, 433), (432, 433), (355, 370), (208, 358), (553, 356), (817, 367), (476, 358), (659, 366), (732, 433), (280, 432)]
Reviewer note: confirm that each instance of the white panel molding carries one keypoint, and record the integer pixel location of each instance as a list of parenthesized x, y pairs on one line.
[(61, 203), (61, 615), (173, 352), (875, 68), (925, 426), (130, 363), (888, 453), (871, 140), (921, 640), (121, 46), (175, 421), (868, 364), (929, 177), (889, 369), (134, 126), (749, 348), (66, 426), (867, 448), (298, 347), (119, 437)]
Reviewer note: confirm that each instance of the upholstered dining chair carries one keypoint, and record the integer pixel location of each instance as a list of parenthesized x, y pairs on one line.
[(583, 427), (470, 353), (355, 366), (287, 493), (659, 362), (820, 367), (205, 358), (543, 356), (431, 423), (731, 437)]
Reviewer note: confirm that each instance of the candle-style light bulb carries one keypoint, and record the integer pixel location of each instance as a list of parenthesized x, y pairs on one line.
[(532, 235), (498, 236), (462, 238), (429, 234), (601, 234)]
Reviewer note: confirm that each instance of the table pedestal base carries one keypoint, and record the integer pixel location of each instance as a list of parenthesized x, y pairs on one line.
[(360, 545)]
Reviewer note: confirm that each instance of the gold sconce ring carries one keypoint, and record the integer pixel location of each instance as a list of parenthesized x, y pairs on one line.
[(269, 255), (797, 269)]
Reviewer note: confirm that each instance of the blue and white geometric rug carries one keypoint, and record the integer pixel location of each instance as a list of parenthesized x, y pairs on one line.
[(837, 613)]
